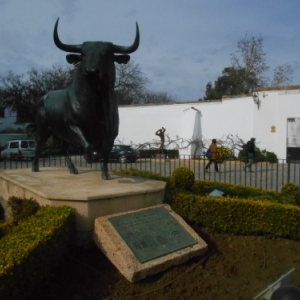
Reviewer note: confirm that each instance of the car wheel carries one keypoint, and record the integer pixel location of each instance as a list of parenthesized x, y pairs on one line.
[(122, 159)]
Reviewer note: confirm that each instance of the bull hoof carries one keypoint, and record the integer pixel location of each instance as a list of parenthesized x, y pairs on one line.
[(73, 171), (35, 169), (105, 176)]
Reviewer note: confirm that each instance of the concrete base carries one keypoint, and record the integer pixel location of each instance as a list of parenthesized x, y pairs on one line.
[(115, 248), (87, 192)]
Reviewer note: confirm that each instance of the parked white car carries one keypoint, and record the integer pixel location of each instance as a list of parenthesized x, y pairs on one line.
[(19, 149)]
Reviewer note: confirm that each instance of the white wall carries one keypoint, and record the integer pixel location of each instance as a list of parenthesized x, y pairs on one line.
[(209, 119), (288, 107), (238, 116), (206, 121), (276, 107)]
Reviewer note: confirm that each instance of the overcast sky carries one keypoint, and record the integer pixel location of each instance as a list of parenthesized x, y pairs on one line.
[(184, 43)]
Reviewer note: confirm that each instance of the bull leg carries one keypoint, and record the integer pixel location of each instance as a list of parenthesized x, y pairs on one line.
[(88, 155), (70, 164), (80, 139), (35, 162), (104, 169), (89, 152), (42, 138)]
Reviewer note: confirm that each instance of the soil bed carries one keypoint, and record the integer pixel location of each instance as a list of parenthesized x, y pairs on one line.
[(236, 267)]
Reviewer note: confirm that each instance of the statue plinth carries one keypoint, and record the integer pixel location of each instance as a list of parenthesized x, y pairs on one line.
[(87, 192)]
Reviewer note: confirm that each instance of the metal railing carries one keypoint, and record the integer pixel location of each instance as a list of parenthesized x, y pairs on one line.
[(270, 176)]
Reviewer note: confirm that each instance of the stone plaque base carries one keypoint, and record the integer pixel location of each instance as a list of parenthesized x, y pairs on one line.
[(108, 237)]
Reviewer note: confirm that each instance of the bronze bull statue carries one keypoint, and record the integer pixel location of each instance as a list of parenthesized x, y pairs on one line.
[(85, 114)]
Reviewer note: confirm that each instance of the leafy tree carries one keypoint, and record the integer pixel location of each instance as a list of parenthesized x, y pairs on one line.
[(157, 97), (210, 93), (20, 92), (230, 83), (247, 71), (14, 93), (283, 75), (131, 83), (251, 57)]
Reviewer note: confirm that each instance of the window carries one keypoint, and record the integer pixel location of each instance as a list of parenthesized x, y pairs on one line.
[(24, 144), (14, 145)]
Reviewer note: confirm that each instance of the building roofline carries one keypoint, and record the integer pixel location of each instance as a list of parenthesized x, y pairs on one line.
[(277, 88)]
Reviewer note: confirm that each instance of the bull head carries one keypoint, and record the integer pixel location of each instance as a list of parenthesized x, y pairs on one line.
[(78, 48)]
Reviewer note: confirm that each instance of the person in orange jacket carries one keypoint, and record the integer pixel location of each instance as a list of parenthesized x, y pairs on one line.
[(214, 156)]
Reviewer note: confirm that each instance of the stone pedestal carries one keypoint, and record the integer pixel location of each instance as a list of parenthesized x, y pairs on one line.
[(87, 192)]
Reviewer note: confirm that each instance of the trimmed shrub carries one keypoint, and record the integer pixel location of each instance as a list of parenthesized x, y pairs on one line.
[(290, 193), (204, 187), (223, 154), (183, 178), (270, 157), (260, 155), (141, 173), (32, 249), (22, 208), (150, 153), (237, 216)]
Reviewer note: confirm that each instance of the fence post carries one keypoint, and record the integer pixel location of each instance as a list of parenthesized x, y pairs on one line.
[(288, 170)]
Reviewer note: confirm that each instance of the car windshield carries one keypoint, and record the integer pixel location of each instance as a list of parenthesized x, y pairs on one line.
[(14, 145)]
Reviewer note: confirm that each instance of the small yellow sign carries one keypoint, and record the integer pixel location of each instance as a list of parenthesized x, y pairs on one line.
[(273, 128)]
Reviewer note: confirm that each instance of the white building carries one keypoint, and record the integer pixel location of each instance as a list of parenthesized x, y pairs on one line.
[(274, 120)]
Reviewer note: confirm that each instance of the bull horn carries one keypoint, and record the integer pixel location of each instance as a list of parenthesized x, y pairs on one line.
[(133, 47), (64, 47)]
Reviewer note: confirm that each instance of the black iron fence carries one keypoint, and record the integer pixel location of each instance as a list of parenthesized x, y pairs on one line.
[(265, 175)]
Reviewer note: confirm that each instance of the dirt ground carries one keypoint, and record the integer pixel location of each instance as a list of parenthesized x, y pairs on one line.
[(235, 267)]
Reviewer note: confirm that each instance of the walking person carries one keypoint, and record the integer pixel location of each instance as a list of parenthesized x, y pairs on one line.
[(214, 156), (250, 153)]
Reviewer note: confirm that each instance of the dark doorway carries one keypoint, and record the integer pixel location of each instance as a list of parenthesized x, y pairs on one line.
[(293, 139)]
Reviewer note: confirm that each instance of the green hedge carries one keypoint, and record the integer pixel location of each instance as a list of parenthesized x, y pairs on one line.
[(204, 187), (32, 249), (260, 155), (238, 216), (245, 210), (150, 153), (141, 173)]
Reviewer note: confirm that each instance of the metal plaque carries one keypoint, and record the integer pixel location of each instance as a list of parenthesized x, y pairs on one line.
[(152, 233)]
